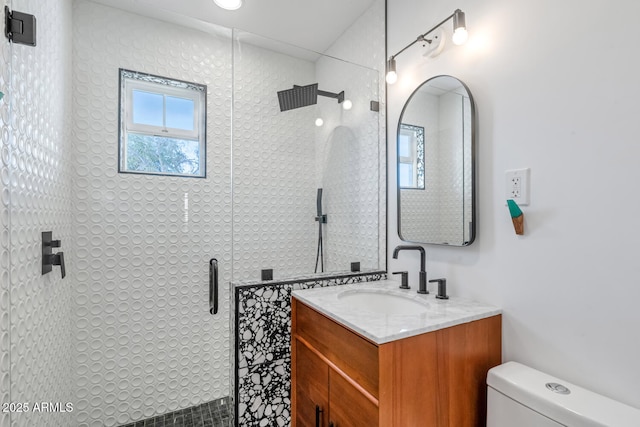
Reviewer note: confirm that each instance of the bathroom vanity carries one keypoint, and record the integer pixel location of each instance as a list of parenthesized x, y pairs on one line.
[(374, 355)]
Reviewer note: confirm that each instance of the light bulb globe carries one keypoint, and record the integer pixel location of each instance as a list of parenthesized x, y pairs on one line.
[(392, 77), (319, 122), (347, 104), (460, 36), (229, 4)]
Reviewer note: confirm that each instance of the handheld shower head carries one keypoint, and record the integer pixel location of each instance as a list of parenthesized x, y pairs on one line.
[(320, 216), (319, 202)]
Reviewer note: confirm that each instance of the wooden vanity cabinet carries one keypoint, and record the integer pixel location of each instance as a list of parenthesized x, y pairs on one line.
[(435, 379), (312, 387)]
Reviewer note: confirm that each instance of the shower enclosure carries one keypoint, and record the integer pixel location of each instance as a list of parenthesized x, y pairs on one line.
[(127, 334), (292, 135)]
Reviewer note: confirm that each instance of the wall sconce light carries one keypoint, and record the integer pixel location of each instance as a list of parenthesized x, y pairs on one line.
[(459, 37)]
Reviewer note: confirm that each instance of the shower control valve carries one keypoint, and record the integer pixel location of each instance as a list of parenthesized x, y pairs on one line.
[(49, 259), (58, 259)]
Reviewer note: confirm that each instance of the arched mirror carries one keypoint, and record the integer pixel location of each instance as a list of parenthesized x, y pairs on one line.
[(435, 152)]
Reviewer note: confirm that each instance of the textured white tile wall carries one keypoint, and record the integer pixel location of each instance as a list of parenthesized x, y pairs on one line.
[(364, 43), (281, 158), (274, 188), (452, 164), (5, 300), (146, 343), (420, 218), (41, 200), (347, 147)]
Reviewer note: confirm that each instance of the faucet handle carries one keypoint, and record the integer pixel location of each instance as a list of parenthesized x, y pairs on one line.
[(57, 259), (442, 288), (405, 279)]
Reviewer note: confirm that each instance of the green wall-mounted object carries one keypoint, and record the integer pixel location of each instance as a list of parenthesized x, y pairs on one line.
[(517, 217)]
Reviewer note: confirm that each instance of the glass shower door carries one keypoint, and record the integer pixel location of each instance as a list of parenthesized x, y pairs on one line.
[(126, 335), (5, 250)]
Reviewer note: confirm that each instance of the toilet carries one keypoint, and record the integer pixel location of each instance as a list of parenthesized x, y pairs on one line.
[(524, 397)]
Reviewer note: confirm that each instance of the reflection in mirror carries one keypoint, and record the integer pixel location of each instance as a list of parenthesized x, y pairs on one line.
[(411, 157), (435, 152)]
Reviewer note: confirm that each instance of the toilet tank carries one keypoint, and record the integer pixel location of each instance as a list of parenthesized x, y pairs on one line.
[(519, 396)]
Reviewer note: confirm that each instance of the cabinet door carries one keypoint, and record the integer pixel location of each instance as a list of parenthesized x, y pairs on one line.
[(311, 388), (348, 407)]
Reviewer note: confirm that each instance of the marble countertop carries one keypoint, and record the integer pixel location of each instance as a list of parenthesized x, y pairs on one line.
[(382, 328)]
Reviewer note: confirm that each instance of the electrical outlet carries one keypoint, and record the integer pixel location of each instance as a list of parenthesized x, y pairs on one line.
[(517, 185)]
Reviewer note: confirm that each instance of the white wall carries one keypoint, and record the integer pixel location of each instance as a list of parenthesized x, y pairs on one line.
[(555, 84)]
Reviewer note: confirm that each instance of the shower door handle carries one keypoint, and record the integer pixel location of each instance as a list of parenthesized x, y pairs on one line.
[(213, 286)]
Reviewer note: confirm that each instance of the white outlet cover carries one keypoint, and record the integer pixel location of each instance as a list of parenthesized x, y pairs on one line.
[(518, 192)]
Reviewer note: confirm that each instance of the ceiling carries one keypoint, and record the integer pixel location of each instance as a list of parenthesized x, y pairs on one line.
[(309, 24)]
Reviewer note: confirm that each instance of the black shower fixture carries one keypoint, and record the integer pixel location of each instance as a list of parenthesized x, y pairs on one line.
[(303, 96)]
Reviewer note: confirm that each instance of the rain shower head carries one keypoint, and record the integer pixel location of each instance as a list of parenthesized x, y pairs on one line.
[(303, 96), (299, 96)]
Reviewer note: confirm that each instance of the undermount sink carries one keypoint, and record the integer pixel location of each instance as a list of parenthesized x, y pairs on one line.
[(382, 302)]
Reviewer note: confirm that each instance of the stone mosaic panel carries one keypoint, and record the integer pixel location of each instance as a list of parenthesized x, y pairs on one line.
[(262, 320)]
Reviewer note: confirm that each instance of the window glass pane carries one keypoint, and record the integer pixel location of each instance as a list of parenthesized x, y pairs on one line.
[(180, 113), (406, 175), (146, 153), (147, 108), (404, 146)]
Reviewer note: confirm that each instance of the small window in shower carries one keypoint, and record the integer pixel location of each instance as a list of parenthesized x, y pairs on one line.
[(162, 126), (411, 157)]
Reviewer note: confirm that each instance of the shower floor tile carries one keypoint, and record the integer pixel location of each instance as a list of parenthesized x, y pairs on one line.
[(216, 413)]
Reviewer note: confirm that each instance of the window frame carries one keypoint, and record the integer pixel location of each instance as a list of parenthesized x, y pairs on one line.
[(165, 86), (417, 155)]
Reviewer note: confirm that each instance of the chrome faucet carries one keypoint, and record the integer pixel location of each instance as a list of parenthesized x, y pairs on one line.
[(422, 287)]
